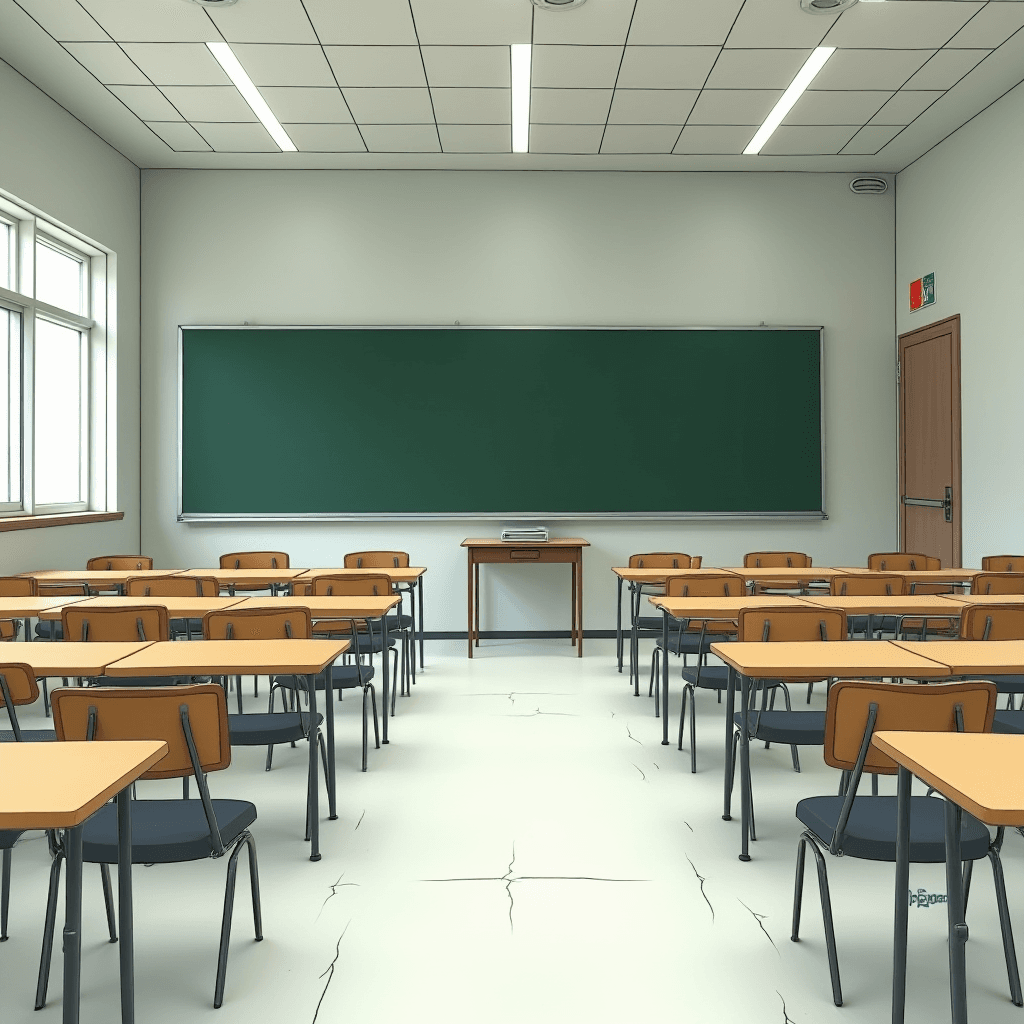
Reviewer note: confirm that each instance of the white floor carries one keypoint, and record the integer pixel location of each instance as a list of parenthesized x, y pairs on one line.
[(524, 849)]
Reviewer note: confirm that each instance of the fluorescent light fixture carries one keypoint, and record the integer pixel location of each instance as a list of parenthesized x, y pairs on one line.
[(243, 83), (804, 77), (522, 60)]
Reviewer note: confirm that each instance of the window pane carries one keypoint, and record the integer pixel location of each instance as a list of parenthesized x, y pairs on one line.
[(58, 414), (7, 236), (10, 407), (58, 278)]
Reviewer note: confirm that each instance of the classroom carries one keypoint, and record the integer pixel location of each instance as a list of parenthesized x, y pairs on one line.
[(320, 316)]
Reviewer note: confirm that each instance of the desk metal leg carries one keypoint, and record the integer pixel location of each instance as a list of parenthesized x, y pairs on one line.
[(575, 602), (664, 678), (476, 604), (313, 793), (634, 637), (618, 620), (419, 587), (469, 611), (579, 609), (73, 925), (899, 939), (385, 670), (126, 948), (730, 708), (331, 775), (955, 914), (744, 768)]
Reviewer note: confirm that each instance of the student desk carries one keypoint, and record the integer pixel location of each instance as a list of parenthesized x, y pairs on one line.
[(177, 607), (59, 785), (980, 773), (920, 606), (492, 550), (954, 577), (784, 576), (809, 660), (95, 579), (69, 658), (986, 598), (255, 579), (248, 657), (975, 657), (27, 607)]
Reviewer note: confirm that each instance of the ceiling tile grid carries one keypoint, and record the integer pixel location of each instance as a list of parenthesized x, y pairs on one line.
[(683, 77)]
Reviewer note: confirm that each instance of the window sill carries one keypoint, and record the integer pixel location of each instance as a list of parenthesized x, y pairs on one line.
[(61, 519)]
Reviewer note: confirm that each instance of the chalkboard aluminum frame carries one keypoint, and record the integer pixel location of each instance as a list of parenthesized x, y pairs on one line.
[(363, 517)]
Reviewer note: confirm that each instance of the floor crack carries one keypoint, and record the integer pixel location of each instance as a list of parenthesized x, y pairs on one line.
[(334, 892), (759, 918), (534, 714), (631, 736), (507, 879), (702, 880), (642, 776), (688, 825), (786, 1019), (360, 821), (329, 973)]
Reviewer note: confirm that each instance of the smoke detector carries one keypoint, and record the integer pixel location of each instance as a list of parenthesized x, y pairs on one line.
[(215, 3), (825, 6), (869, 186), (558, 5)]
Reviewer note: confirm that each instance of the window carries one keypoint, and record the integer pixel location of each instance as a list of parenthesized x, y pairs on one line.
[(56, 354)]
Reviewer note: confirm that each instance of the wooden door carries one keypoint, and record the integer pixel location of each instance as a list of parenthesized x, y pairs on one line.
[(929, 402)]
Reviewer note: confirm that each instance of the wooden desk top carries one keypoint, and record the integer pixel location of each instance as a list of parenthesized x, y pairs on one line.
[(815, 659), (58, 785), (229, 657), (813, 572), (97, 576), (988, 657), (553, 542), (919, 575), (988, 598), (67, 658), (342, 606), (883, 604), (177, 607), (982, 772), (720, 607), (19, 607), (653, 576), (247, 577), (403, 574)]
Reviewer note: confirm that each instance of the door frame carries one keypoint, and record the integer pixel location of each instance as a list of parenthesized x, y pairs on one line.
[(951, 325)]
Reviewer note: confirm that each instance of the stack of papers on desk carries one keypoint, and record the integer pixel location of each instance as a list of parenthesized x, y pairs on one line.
[(525, 534)]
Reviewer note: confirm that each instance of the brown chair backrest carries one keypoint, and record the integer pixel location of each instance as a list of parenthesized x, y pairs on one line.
[(282, 623), (136, 623), (901, 708), (8, 630), (119, 562), (301, 588), (171, 586), (775, 624), (861, 585), (150, 713), (664, 560), (377, 560), (20, 681), (367, 585), (776, 560), (1003, 563), (992, 622), (897, 561), (724, 585), (254, 560), (17, 586), (998, 583)]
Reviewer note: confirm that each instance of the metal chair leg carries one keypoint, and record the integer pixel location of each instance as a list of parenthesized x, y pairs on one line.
[(366, 730), (49, 923), (682, 713), (655, 657), (798, 889), (108, 902), (225, 924), (1009, 952), (373, 704), (826, 914), (5, 892)]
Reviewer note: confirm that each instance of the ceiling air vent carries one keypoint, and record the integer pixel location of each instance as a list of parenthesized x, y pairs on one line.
[(869, 186), (825, 6), (558, 5)]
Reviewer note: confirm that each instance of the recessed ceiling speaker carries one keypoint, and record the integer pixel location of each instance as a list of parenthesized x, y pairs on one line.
[(215, 3), (558, 5), (825, 6), (869, 186)]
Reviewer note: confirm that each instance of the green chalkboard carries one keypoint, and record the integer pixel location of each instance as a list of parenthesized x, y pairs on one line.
[(420, 422)]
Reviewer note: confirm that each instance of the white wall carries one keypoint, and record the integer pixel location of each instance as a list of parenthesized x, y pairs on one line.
[(343, 247), (960, 213), (51, 161)]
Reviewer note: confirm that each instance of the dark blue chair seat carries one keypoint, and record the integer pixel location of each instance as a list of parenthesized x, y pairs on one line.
[(29, 736), (143, 680), (344, 677), (264, 729), (716, 677), (859, 623), (398, 622), (793, 727), (8, 837), (871, 831), (52, 630), (1005, 684), (184, 627), (690, 642), (165, 831), (1009, 722)]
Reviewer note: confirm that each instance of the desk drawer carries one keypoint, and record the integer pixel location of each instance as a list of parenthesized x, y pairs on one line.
[(524, 553)]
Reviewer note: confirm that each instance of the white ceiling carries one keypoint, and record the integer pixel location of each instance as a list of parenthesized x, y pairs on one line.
[(617, 84)]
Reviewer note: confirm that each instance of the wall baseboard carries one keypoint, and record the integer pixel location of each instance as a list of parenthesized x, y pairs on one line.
[(511, 634)]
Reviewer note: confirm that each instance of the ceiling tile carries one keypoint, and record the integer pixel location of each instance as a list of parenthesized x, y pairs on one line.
[(209, 103), (570, 106), (298, 105), (904, 107), (575, 67), (820, 107), (265, 21), (666, 67), (181, 137), (64, 19), (926, 24), (177, 63), (991, 26), (326, 138), (870, 140), (639, 138), (606, 22), (481, 66), (401, 138), (146, 102), (565, 138), (284, 64), (472, 106), (108, 62), (476, 138), (683, 22), (946, 68), (773, 24), (239, 138), (376, 65), (472, 22), (356, 22), (390, 106), (869, 69), (153, 21), (714, 139), (652, 106), (757, 69), (809, 140), (734, 106)]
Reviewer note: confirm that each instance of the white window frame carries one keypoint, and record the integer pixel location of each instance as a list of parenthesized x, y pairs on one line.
[(98, 462)]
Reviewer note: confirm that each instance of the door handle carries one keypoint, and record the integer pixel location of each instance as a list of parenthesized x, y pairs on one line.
[(946, 503)]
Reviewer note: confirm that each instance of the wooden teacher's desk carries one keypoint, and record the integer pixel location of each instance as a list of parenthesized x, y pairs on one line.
[(558, 549)]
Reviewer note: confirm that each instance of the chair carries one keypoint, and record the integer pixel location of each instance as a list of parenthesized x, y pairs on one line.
[(193, 721), (777, 560), (864, 827), (995, 622), (386, 560), (14, 586), (859, 585), (897, 561), (254, 560), (1003, 563), (998, 583), (119, 563), (52, 629), (175, 586)]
